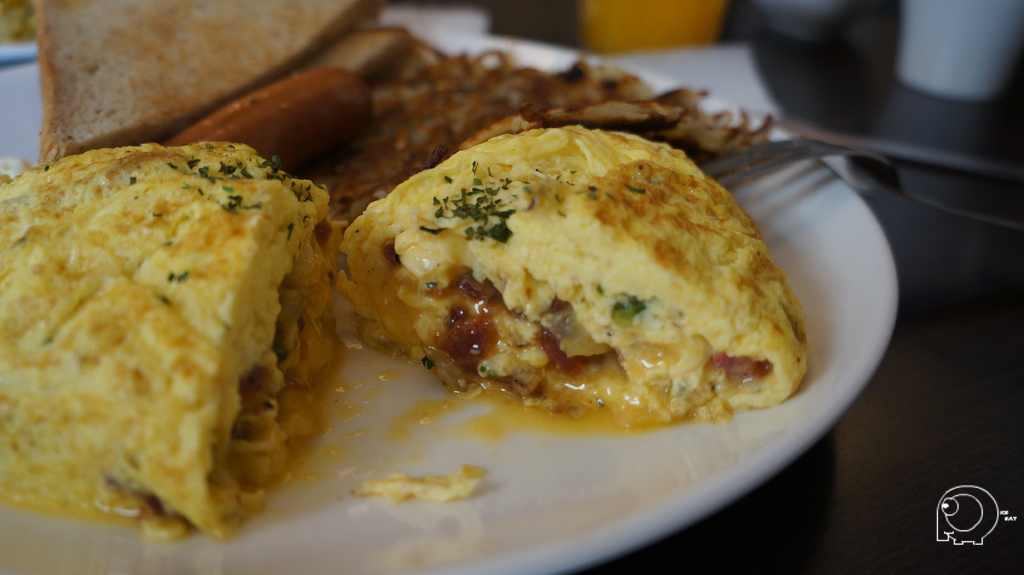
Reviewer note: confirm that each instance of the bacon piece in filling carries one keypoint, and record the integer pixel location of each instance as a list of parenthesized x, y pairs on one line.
[(741, 369), (553, 349), (471, 336), (469, 339)]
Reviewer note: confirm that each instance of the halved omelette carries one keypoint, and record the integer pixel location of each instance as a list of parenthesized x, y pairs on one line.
[(163, 314), (581, 270)]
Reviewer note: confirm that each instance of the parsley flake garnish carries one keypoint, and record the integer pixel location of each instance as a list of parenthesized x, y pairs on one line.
[(273, 163), (233, 203), (482, 204), (204, 171)]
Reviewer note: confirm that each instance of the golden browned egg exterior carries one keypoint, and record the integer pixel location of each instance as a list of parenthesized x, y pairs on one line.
[(163, 312), (581, 270)]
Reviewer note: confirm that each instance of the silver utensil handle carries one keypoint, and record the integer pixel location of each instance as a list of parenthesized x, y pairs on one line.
[(865, 171)]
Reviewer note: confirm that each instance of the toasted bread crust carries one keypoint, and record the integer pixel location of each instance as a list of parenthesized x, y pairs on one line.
[(364, 52)]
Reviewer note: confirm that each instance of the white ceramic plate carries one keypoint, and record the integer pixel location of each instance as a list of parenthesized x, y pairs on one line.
[(18, 52), (550, 502)]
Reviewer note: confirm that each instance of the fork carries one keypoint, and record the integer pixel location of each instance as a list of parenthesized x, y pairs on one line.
[(863, 170)]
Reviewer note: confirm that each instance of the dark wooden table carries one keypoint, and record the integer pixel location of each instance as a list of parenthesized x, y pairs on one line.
[(946, 406)]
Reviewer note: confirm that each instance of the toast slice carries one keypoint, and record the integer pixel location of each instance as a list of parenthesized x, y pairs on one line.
[(364, 52), (120, 72)]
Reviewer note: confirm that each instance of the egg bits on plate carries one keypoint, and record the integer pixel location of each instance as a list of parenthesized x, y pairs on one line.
[(583, 271)]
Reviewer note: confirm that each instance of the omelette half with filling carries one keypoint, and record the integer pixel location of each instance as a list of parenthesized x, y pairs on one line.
[(164, 313), (582, 271)]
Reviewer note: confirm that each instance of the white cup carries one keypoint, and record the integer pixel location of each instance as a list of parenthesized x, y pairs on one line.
[(963, 50)]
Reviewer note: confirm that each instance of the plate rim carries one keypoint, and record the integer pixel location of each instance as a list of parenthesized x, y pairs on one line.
[(12, 52)]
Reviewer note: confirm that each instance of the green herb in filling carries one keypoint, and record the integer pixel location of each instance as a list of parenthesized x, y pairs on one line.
[(624, 312)]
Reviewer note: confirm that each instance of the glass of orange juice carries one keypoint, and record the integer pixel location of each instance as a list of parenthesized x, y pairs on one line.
[(626, 25)]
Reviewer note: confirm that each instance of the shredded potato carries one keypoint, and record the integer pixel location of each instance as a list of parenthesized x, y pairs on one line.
[(424, 112)]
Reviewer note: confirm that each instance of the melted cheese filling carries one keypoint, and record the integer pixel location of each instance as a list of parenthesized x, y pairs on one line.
[(430, 302)]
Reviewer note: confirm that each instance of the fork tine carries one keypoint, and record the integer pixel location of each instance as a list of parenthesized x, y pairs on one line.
[(761, 158), (863, 170), (753, 155)]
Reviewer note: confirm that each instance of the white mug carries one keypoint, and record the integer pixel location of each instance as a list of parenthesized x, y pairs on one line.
[(963, 50)]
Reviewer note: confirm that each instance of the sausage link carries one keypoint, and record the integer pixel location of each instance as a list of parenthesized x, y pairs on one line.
[(296, 118)]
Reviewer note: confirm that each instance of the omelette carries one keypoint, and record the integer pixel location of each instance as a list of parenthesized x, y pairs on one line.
[(582, 271), (164, 313)]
